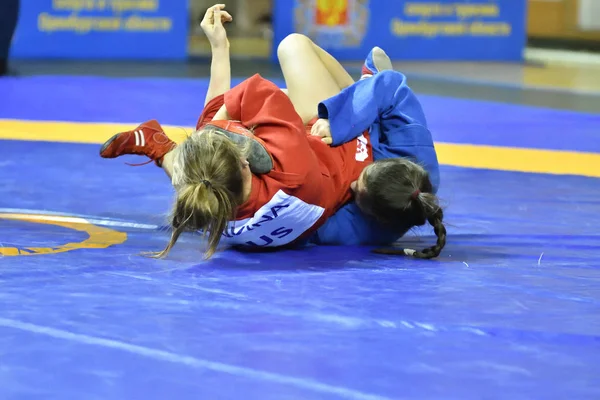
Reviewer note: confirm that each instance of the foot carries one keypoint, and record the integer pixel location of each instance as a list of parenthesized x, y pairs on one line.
[(375, 62), (148, 140)]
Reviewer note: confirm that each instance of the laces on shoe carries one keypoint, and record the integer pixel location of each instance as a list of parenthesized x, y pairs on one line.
[(139, 165)]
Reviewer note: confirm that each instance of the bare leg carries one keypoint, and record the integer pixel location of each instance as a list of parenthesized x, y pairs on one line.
[(311, 74), (337, 71), (167, 163)]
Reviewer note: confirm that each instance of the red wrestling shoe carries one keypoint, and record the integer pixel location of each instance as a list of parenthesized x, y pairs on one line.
[(148, 140)]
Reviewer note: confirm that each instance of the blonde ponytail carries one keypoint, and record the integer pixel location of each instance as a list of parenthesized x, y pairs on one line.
[(209, 188)]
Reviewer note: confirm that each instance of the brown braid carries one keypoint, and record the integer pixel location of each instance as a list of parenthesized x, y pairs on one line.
[(399, 194), (436, 220)]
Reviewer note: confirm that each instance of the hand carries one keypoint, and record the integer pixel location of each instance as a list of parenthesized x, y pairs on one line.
[(322, 129), (212, 25)]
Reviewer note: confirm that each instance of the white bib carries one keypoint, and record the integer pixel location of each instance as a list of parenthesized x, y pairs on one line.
[(279, 222)]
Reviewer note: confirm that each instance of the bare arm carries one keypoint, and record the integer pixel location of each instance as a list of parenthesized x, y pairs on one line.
[(220, 74), (220, 68)]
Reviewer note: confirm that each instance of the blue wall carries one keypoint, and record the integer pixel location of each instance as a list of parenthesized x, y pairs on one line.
[(410, 30), (102, 29)]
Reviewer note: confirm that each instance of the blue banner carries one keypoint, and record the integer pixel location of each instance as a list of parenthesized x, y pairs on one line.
[(102, 29), (477, 30)]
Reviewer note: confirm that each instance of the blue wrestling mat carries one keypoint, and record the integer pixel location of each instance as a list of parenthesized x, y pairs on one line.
[(510, 310)]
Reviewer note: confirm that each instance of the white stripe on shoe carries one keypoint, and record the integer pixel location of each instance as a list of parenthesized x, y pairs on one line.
[(137, 139), (142, 138)]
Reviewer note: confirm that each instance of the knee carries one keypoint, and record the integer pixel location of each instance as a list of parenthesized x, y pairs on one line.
[(292, 43)]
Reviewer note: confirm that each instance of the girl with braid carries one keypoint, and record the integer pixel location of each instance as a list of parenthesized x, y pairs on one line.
[(398, 191)]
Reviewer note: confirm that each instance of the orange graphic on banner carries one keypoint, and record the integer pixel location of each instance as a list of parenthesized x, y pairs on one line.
[(332, 12)]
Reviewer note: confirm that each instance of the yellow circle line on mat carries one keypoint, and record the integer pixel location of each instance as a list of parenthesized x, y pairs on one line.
[(501, 158), (99, 237)]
